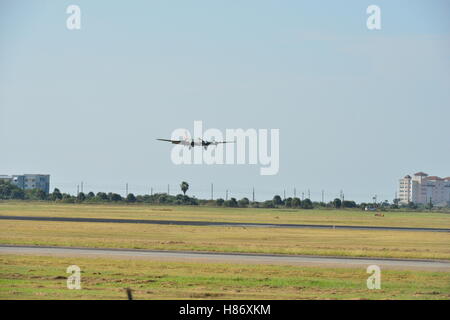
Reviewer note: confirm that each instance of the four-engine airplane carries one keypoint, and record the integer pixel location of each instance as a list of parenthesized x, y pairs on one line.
[(195, 142)]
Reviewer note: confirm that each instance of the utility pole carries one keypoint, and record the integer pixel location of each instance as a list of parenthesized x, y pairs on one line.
[(309, 194), (226, 195), (78, 189), (284, 194), (323, 200), (168, 189), (126, 189), (81, 186), (253, 195), (212, 191), (295, 193), (303, 196)]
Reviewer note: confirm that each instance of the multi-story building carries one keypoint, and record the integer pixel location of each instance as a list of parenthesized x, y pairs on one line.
[(423, 189), (5, 178), (29, 181)]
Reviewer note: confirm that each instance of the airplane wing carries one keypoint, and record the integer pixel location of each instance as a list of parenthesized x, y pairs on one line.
[(217, 142), (172, 141)]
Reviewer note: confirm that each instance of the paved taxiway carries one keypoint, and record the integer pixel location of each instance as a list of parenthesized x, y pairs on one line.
[(219, 224), (212, 257)]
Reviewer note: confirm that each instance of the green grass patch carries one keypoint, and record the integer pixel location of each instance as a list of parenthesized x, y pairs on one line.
[(36, 277)]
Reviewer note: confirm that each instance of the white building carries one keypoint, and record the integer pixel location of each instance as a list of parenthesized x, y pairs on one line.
[(421, 189)]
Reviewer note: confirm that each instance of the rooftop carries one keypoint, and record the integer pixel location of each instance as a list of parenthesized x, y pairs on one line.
[(434, 178)]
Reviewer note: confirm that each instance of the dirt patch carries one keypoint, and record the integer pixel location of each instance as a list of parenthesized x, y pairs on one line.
[(206, 295)]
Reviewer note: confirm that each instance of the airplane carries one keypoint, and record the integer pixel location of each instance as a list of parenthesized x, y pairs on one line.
[(193, 143)]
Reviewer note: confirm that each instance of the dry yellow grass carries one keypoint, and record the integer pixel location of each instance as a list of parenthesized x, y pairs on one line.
[(330, 217), (360, 243)]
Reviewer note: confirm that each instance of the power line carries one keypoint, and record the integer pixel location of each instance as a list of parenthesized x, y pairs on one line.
[(205, 191)]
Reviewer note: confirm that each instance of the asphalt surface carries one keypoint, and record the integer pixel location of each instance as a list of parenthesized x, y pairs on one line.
[(247, 258), (220, 224)]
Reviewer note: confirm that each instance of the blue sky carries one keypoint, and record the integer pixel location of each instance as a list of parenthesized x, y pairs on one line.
[(356, 109)]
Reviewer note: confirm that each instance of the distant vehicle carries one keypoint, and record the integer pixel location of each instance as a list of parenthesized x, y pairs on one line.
[(195, 142)]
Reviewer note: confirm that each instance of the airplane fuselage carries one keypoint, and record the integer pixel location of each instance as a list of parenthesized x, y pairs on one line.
[(195, 142)]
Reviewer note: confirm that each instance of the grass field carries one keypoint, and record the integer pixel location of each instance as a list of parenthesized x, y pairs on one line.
[(229, 239), (360, 243), (199, 213), (36, 277)]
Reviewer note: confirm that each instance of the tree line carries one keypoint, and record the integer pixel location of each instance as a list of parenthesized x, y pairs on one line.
[(10, 191)]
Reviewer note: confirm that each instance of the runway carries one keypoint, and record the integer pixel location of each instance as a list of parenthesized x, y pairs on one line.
[(220, 224), (246, 258)]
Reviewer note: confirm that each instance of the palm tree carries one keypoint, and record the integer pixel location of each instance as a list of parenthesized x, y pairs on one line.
[(184, 187)]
